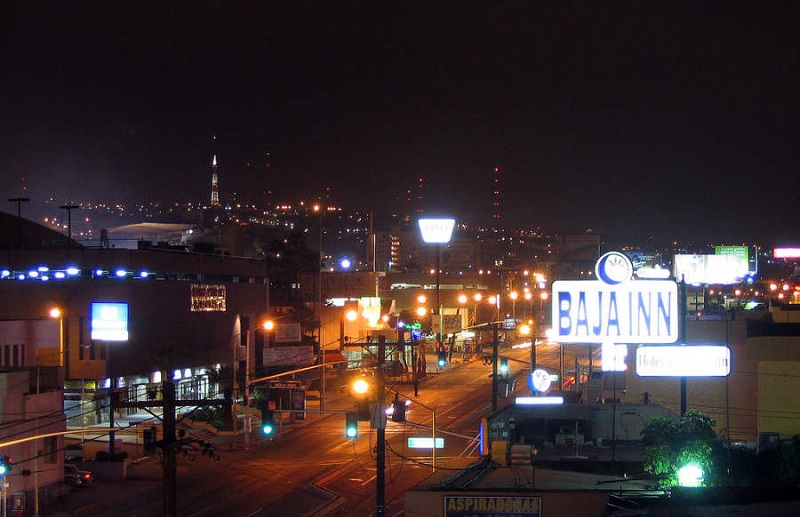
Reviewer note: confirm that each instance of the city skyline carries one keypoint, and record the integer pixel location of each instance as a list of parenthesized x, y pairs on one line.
[(677, 121)]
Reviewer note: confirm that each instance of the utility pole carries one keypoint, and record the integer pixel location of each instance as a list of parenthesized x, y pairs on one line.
[(682, 338), (19, 201), (169, 465), (69, 209), (495, 358), (380, 416), (169, 442)]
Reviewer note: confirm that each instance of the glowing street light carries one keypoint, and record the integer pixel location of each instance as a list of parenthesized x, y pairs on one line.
[(57, 314), (437, 231)]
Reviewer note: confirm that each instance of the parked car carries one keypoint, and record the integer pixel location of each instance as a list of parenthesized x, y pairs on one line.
[(74, 476)]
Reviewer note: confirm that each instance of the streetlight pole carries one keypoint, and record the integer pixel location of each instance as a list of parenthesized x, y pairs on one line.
[(19, 201), (321, 361), (380, 460), (69, 208), (437, 231)]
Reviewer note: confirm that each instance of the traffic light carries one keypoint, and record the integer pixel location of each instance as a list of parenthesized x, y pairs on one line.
[(267, 422), (5, 466), (503, 366), (351, 424), (398, 411), (442, 361)]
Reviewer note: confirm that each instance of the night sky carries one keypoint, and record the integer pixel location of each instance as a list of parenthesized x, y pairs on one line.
[(673, 119)]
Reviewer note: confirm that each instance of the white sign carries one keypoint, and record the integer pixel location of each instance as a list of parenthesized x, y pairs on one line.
[(436, 231), (299, 355), (540, 380), (710, 269), (634, 311), (425, 443), (683, 361), (288, 333), (539, 401)]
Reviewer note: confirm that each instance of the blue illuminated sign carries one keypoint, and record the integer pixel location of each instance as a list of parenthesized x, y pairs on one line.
[(109, 321)]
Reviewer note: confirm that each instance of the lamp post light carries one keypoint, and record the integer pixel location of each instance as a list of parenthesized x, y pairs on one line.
[(437, 231), (514, 295), (57, 313)]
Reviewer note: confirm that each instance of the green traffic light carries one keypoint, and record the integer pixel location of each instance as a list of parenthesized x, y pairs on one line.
[(3, 470), (268, 429), (351, 424)]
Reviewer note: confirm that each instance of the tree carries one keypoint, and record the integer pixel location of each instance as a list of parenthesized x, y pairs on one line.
[(672, 445), (222, 377)]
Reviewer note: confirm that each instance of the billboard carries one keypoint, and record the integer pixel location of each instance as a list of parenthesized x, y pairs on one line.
[(615, 308), (109, 321), (710, 269)]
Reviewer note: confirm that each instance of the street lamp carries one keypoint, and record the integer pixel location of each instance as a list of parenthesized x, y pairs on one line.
[(437, 231), (58, 314)]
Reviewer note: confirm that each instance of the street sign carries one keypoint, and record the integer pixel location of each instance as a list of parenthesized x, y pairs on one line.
[(425, 443)]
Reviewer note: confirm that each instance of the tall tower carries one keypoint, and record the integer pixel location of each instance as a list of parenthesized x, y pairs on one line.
[(496, 199), (420, 197), (214, 179)]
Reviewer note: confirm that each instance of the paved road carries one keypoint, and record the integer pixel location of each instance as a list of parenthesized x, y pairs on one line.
[(309, 468)]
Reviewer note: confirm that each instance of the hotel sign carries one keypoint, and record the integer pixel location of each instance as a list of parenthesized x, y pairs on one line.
[(615, 308), (683, 361)]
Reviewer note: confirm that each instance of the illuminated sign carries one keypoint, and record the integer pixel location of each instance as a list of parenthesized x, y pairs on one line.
[(540, 380), (640, 311), (109, 321), (494, 506), (436, 231), (783, 253), (710, 269), (207, 298), (369, 307), (683, 361), (539, 401), (425, 443)]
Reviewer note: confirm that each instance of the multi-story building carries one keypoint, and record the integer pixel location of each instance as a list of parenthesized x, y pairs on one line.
[(188, 313)]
